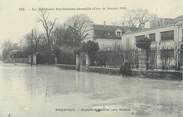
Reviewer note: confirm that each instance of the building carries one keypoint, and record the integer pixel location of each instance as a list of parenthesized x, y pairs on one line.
[(165, 49), (17, 56), (159, 22), (108, 36), (162, 22)]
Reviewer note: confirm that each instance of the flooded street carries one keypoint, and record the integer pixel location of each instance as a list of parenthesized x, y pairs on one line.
[(49, 91)]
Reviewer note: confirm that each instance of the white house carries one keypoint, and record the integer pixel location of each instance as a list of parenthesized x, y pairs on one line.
[(166, 46), (107, 36)]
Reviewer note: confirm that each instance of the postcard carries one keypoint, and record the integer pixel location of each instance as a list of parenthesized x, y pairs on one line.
[(91, 58)]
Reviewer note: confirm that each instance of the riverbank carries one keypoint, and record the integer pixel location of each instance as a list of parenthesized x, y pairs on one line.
[(153, 74)]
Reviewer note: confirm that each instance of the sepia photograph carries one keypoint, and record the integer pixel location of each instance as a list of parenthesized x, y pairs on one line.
[(91, 58)]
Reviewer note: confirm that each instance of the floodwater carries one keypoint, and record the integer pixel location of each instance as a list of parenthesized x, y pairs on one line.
[(49, 91)]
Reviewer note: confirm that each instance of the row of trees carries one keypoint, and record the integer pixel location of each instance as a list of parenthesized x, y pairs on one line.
[(139, 18), (7, 47), (55, 39)]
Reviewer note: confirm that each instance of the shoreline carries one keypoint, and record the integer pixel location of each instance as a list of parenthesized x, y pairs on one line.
[(148, 74)]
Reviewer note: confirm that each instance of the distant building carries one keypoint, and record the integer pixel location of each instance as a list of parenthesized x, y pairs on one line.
[(166, 46), (17, 56), (108, 36), (160, 22)]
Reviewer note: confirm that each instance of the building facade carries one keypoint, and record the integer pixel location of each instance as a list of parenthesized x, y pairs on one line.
[(158, 22), (165, 49), (107, 36)]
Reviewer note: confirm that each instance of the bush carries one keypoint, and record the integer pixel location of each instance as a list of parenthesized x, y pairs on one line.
[(91, 48), (101, 58), (109, 58), (66, 57), (45, 58)]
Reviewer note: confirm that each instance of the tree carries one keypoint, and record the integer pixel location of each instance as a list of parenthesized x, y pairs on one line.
[(32, 40), (59, 35), (48, 26), (137, 18), (91, 49), (79, 27), (7, 46), (144, 43), (36, 41), (65, 37), (70, 35)]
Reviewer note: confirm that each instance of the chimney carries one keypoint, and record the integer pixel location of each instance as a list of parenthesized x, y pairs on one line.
[(104, 22), (123, 24)]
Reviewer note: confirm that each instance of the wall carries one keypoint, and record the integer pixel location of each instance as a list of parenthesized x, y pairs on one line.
[(108, 43), (129, 41), (152, 74), (131, 36)]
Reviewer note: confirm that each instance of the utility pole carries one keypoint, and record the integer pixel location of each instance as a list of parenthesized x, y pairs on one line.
[(32, 48)]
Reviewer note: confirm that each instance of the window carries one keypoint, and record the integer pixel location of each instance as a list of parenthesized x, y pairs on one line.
[(167, 35), (152, 36), (140, 37), (118, 33)]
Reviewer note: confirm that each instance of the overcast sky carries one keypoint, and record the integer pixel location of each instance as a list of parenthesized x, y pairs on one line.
[(15, 24)]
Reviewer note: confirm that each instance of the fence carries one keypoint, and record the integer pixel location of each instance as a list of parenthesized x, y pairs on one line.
[(113, 58)]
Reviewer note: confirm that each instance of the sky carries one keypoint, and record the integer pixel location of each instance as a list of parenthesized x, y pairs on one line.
[(15, 23)]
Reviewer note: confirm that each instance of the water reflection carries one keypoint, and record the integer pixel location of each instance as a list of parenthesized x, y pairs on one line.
[(39, 90), (64, 82)]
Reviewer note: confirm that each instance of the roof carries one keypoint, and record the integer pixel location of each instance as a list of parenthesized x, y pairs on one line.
[(14, 51), (108, 31), (106, 27), (179, 18), (149, 29), (17, 53)]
